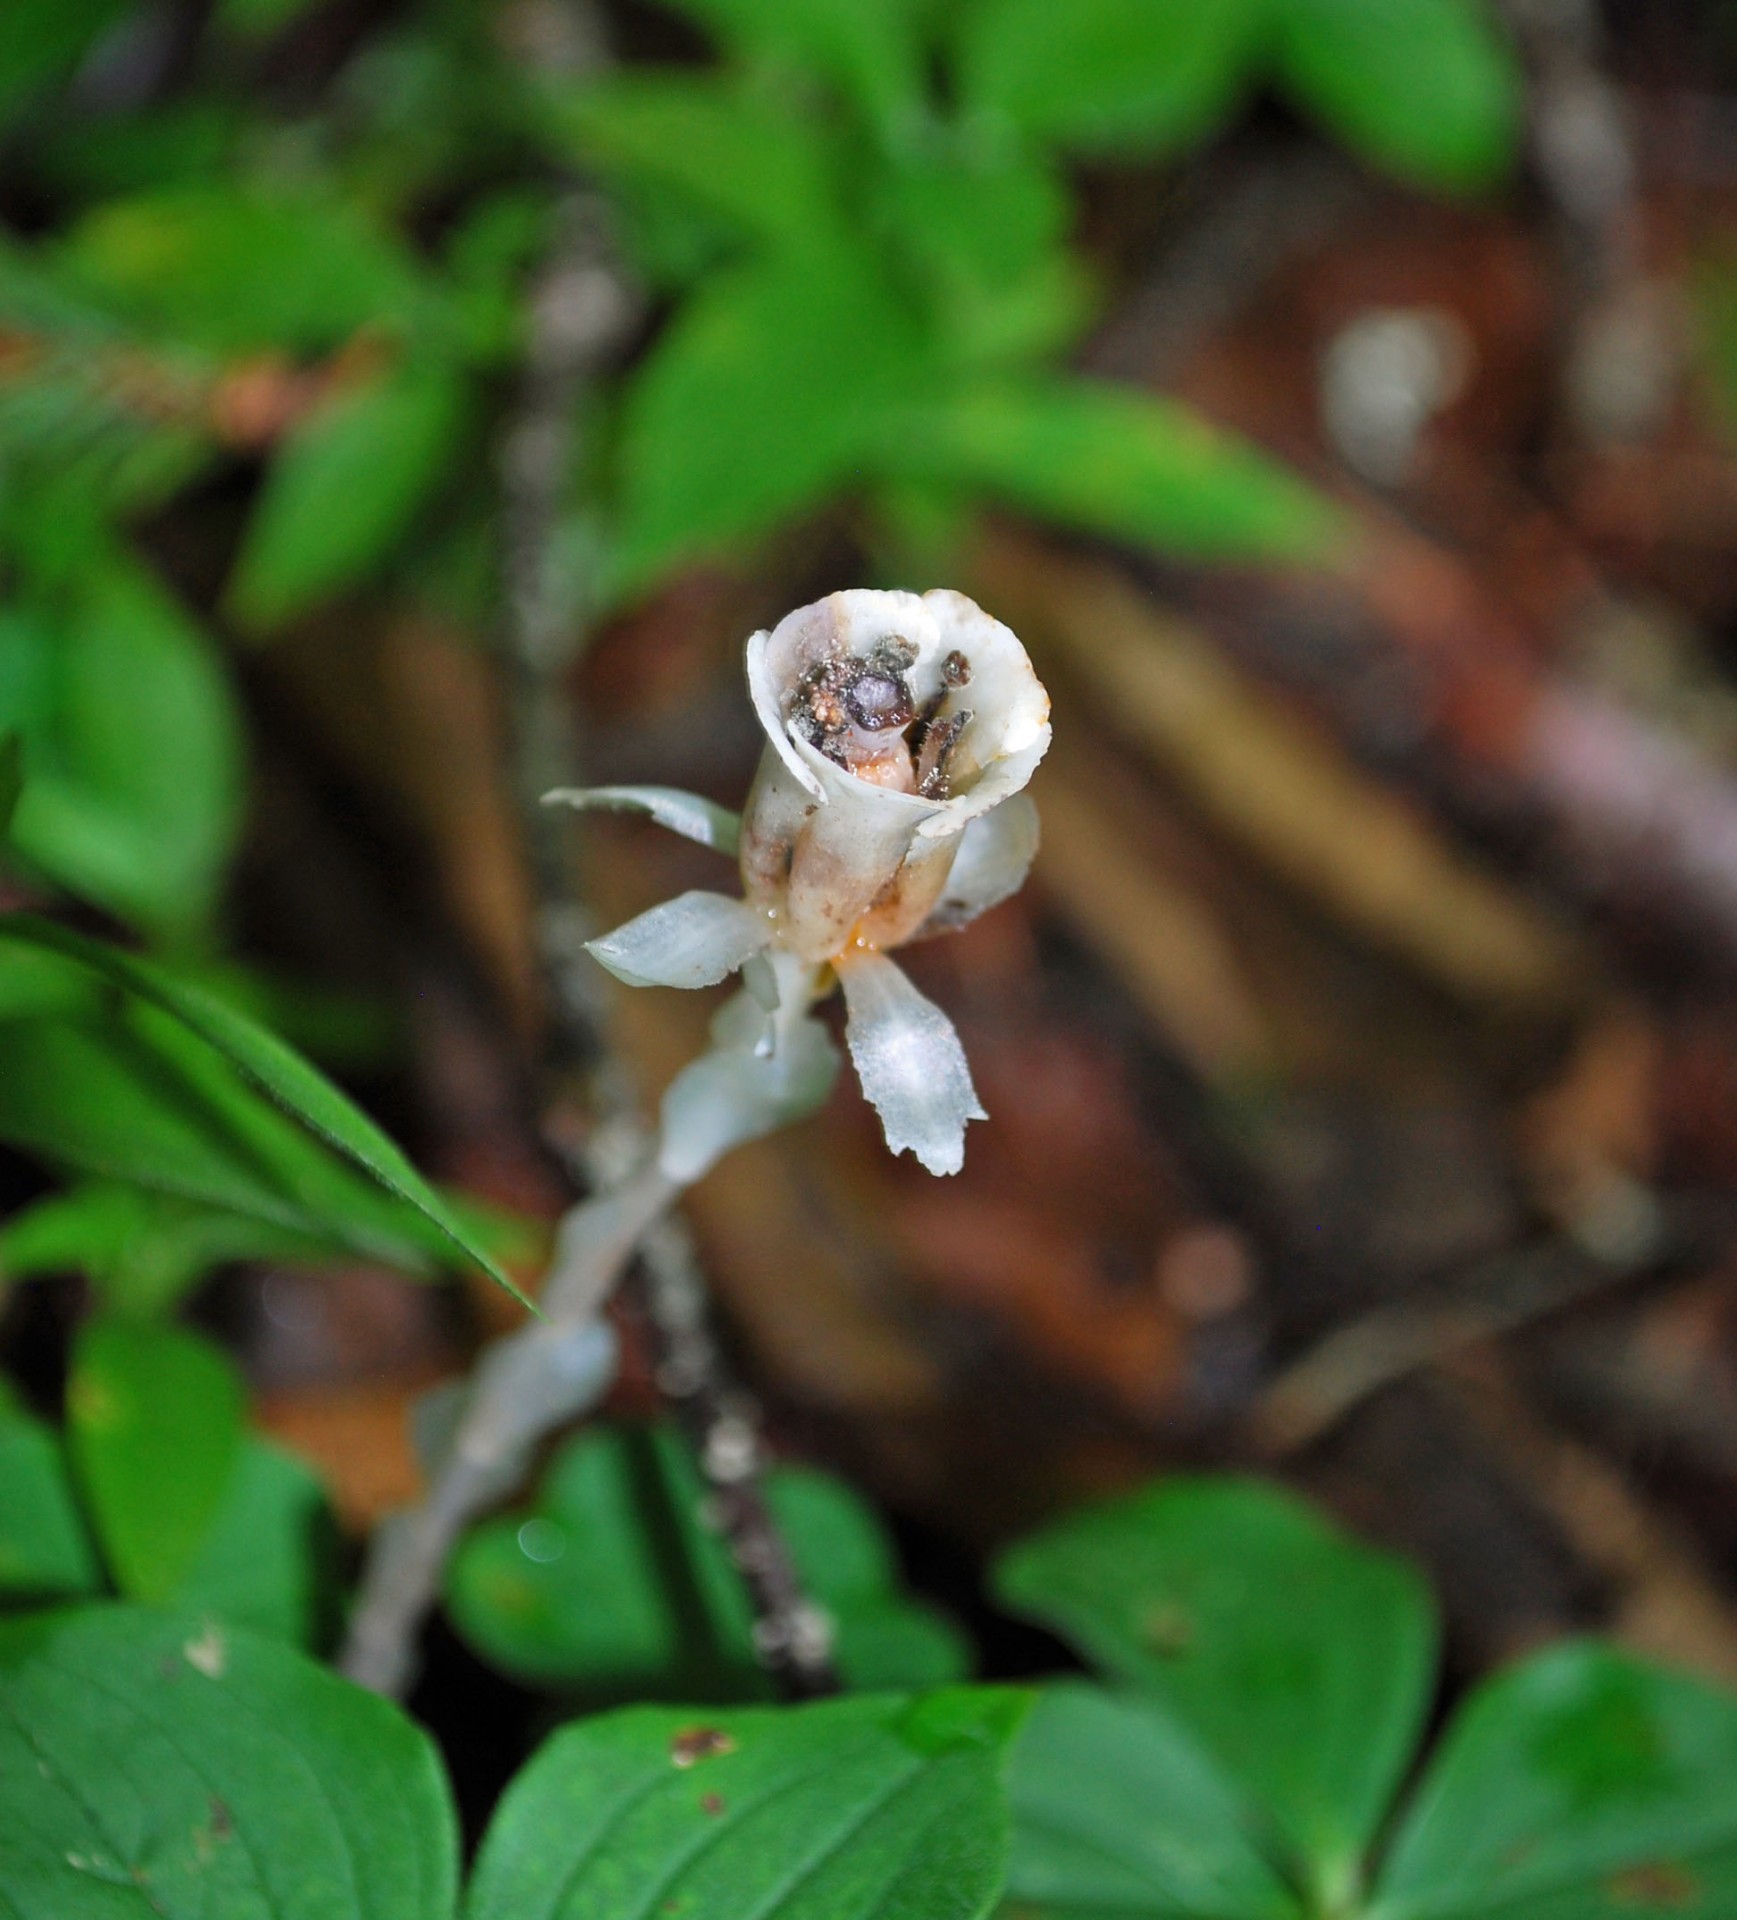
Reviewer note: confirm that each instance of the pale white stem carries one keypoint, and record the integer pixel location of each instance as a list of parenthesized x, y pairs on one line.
[(524, 1386), (539, 1377)]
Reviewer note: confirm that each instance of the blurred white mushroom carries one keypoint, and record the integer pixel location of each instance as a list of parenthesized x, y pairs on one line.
[(1384, 377)]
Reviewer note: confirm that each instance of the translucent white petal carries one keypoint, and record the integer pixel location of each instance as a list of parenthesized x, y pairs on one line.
[(910, 1062), (732, 1094), (694, 940), (995, 854), (683, 813)]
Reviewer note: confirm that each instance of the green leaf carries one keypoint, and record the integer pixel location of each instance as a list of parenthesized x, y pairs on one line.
[(269, 1554), (1582, 1785), (865, 1809), (1429, 90), (769, 174), (1126, 77), (871, 49), (1106, 460), (759, 402), (11, 779), (1117, 1811), (32, 984), (136, 770), (613, 1586), (343, 488), (985, 227), (129, 1095), (167, 1766), (143, 1250), (154, 1426), (1300, 1660), (238, 267), (44, 40), (266, 1063), (45, 1553)]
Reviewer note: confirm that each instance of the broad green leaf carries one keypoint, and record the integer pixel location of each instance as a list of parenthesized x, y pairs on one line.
[(1117, 1811), (1300, 1660), (162, 1765), (759, 402), (769, 174), (871, 49), (264, 1061), (863, 1809), (44, 40), (343, 488), (45, 1553), (135, 793), (1131, 77), (611, 1585), (238, 267), (269, 1554), (154, 1426), (1426, 89), (1106, 460), (142, 1250), (1582, 1785)]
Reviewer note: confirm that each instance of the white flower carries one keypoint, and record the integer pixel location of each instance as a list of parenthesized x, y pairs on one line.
[(889, 806)]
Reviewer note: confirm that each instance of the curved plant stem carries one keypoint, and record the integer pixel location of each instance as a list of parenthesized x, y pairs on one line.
[(524, 1385)]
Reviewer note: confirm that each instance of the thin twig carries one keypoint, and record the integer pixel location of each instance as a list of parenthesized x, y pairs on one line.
[(792, 1636), (1513, 1290)]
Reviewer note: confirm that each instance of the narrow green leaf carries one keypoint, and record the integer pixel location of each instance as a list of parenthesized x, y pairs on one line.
[(44, 40), (1104, 459), (33, 984), (129, 1095), (612, 1586), (11, 779), (1429, 90), (169, 1766), (760, 402), (1300, 1660), (872, 50), (154, 1424), (342, 490), (864, 1809), (45, 1553), (268, 1064), (1583, 1784), (1117, 1811), (142, 1249), (1124, 77), (269, 1556), (769, 174), (984, 225), (240, 266)]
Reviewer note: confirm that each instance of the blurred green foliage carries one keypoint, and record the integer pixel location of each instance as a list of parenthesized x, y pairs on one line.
[(263, 298)]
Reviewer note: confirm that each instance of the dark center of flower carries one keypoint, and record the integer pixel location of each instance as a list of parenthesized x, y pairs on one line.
[(879, 701)]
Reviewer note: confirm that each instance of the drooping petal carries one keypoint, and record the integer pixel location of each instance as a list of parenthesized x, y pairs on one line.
[(684, 813), (910, 1062), (694, 940), (734, 1093), (995, 854)]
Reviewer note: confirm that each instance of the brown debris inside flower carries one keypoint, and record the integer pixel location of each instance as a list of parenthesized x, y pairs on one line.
[(860, 712)]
